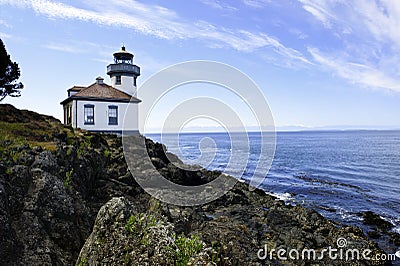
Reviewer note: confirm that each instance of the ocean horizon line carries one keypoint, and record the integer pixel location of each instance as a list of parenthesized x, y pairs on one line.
[(279, 131)]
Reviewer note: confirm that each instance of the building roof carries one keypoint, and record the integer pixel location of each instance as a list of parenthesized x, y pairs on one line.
[(76, 88), (123, 54), (100, 92)]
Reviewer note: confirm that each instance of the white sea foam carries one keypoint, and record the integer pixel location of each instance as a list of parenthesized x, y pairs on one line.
[(396, 229), (346, 215), (281, 196)]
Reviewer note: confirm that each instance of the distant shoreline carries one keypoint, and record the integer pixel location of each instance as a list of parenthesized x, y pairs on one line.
[(280, 131)]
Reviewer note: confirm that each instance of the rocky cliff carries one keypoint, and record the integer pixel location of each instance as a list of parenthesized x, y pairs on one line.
[(67, 197)]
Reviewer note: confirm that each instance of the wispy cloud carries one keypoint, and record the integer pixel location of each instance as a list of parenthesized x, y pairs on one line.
[(5, 35), (68, 48), (369, 33), (356, 73), (78, 47), (162, 23), (379, 18), (5, 24), (217, 4), (319, 13), (257, 3)]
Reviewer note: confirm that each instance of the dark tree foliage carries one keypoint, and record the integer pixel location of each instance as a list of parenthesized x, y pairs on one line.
[(9, 74)]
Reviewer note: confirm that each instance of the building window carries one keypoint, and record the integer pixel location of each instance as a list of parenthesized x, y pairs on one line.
[(113, 115), (89, 114), (117, 80)]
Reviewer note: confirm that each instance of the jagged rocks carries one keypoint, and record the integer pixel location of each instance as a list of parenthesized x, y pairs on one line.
[(54, 180), (107, 242), (123, 236), (373, 219), (39, 217)]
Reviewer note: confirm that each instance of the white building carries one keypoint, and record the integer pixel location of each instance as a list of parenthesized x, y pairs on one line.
[(101, 107)]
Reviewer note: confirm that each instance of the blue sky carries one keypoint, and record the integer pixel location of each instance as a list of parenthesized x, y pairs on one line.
[(318, 62)]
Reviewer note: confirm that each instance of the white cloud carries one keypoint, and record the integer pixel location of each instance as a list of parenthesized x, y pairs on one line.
[(5, 35), (159, 22), (369, 54), (379, 18), (217, 4), (68, 48), (382, 19), (256, 3), (78, 47), (286, 52), (356, 73), (319, 14), (299, 33)]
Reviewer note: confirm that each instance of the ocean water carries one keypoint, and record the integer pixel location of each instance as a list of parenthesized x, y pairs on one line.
[(337, 173)]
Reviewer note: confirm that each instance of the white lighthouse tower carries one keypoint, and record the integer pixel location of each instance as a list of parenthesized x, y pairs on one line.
[(123, 72)]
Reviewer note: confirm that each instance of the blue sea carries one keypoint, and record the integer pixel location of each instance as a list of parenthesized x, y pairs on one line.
[(337, 173)]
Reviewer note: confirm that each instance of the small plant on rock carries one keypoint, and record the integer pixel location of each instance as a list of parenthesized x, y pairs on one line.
[(139, 226), (186, 247), (68, 178)]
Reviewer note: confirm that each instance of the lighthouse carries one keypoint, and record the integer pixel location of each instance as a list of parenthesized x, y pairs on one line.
[(100, 107), (123, 72)]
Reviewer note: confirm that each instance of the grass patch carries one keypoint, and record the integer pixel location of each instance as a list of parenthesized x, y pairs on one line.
[(50, 146), (186, 247), (34, 134)]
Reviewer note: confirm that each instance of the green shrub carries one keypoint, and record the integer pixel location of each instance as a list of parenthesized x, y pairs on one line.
[(68, 178), (82, 262), (186, 247), (139, 226), (107, 153), (178, 250)]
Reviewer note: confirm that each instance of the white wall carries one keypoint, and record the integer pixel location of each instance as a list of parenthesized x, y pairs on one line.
[(126, 85), (101, 116), (73, 114)]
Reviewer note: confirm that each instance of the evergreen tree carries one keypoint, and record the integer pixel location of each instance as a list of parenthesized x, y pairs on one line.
[(9, 74)]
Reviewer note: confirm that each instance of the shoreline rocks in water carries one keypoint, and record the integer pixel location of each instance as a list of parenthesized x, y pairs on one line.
[(67, 197), (373, 219)]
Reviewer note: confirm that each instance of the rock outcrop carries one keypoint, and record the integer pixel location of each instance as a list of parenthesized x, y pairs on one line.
[(67, 197)]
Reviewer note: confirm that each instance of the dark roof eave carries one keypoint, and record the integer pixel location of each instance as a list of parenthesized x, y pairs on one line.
[(76, 88), (73, 97)]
